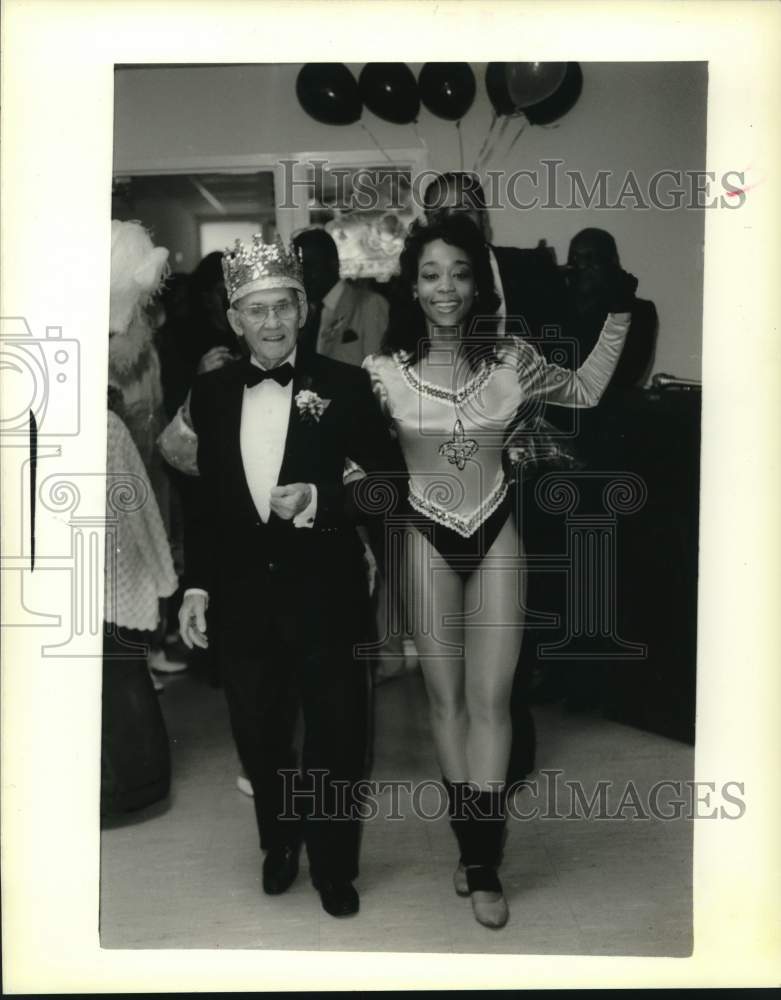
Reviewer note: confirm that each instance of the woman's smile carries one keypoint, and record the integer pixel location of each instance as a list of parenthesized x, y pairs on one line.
[(445, 286)]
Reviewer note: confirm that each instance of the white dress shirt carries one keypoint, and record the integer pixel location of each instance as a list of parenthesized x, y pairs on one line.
[(265, 413)]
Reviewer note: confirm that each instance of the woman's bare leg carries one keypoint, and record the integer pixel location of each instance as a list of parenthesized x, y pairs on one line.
[(492, 645), (434, 594)]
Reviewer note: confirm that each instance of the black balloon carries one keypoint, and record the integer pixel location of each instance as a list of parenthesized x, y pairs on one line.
[(560, 102), (447, 89), (390, 91), (496, 85), (328, 93)]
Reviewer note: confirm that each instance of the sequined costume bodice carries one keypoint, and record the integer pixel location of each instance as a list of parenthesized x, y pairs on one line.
[(453, 442)]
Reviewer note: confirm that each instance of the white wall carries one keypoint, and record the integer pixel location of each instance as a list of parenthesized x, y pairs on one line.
[(642, 117)]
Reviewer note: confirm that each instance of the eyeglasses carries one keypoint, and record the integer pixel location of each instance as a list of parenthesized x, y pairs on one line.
[(261, 314)]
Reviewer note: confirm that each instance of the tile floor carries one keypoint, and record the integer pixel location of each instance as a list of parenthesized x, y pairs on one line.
[(186, 873)]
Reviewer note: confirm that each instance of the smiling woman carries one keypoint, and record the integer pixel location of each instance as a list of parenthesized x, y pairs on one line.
[(454, 391), (453, 248)]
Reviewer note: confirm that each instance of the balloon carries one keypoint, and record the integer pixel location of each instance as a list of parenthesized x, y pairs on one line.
[(560, 102), (447, 89), (528, 83), (496, 85), (390, 91), (328, 93)]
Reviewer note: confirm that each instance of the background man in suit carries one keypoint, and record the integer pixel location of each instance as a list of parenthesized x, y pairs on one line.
[(274, 555), (346, 322), (592, 262)]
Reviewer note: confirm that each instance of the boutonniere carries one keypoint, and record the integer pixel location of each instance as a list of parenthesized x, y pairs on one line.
[(311, 406)]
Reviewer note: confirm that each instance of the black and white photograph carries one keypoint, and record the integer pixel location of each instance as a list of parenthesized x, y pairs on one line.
[(385, 494)]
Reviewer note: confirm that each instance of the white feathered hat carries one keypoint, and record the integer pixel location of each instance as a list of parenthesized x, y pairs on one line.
[(138, 268)]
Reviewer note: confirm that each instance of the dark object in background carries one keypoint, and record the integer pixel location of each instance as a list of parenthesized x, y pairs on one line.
[(447, 89), (329, 94), (654, 434), (548, 110), (390, 91), (135, 760), (660, 441)]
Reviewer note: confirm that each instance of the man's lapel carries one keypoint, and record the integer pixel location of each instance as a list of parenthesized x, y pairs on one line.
[(234, 465), (302, 430)]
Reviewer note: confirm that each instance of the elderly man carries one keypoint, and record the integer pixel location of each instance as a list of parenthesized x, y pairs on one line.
[(275, 572)]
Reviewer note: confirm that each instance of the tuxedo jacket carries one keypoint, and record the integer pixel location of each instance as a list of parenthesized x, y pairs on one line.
[(533, 290), (254, 571)]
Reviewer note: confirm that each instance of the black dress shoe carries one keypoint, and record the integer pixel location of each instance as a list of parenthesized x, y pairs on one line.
[(280, 868), (338, 898)]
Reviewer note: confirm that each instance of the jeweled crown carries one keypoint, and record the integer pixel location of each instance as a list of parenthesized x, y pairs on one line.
[(251, 266)]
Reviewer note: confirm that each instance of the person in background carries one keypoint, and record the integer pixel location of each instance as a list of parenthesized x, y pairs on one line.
[(196, 335), (139, 571), (138, 269), (346, 322), (592, 261)]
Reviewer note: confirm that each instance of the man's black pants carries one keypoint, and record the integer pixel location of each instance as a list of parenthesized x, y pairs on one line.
[(296, 665)]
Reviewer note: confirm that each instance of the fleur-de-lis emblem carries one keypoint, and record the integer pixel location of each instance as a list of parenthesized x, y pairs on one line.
[(460, 448)]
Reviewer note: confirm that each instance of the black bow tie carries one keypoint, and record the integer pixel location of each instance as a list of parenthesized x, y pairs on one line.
[(254, 375)]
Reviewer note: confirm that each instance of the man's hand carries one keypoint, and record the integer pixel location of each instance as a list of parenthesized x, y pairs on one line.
[(215, 358), (287, 501), (192, 621)]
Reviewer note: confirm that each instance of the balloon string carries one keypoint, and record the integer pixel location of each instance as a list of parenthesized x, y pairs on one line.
[(485, 141), (374, 140), (497, 139), (417, 133), (460, 145), (524, 123)]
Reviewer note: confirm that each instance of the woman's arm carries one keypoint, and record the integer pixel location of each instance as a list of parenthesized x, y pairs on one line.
[(585, 386), (178, 443)]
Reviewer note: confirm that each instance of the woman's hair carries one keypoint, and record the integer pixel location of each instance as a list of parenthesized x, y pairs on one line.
[(407, 330)]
